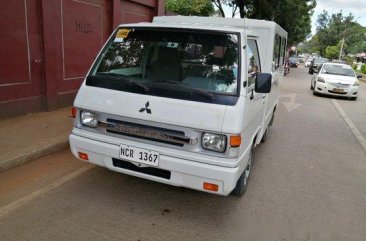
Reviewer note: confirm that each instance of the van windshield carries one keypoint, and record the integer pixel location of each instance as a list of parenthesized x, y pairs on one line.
[(144, 60)]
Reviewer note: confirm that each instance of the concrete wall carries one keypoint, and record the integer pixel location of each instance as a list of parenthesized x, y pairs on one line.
[(47, 47)]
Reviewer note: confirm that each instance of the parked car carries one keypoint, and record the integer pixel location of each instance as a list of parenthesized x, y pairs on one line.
[(180, 100), (336, 80), (315, 63), (308, 62), (293, 61)]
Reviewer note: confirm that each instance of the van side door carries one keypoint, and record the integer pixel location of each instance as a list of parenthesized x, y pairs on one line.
[(256, 101)]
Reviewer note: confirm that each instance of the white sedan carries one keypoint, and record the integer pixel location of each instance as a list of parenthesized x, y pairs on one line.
[(336, 80), (308, 62)]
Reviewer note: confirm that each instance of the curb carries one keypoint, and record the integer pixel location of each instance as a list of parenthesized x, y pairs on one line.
[(364, 80), (31, 156)]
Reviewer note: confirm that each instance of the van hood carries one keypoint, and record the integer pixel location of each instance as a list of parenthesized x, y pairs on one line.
[(191, 114)]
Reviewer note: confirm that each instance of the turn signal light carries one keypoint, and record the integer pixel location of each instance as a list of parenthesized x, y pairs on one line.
[(83, 156), (210, 186), (73, 112), (235, 141)]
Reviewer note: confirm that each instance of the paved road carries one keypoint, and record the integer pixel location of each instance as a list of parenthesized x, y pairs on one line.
[(308, 183)]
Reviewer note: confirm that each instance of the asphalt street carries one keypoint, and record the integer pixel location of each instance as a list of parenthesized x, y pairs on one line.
[(308, 182)]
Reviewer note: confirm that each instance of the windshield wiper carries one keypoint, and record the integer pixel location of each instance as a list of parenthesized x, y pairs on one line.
[(126, 78), (185, 87), (113, 75), (139, 84)]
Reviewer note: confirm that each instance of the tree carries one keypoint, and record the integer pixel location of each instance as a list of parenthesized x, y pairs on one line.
[(333, 28), (311, 46), (190, 7), (293, 15), (332, 52)]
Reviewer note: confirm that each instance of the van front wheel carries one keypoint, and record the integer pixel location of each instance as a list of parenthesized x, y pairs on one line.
[(242, 184)]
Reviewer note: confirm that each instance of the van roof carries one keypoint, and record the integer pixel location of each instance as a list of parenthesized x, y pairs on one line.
[(210, 23), (217, 21), (185, 26)]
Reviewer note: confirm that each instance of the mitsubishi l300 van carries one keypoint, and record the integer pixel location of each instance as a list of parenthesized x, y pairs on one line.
[(182, 100)]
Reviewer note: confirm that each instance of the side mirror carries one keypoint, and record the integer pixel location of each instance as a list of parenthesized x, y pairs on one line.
[(359, 76), (263, 83)]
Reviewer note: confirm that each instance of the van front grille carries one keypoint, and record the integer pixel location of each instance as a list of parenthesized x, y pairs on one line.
[(157, 134)]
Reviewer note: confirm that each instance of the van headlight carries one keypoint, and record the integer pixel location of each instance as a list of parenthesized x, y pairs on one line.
[(89, 119), (214, 142)]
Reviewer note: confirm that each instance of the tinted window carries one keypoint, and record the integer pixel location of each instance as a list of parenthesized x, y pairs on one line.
[(178, 59), (283, 51), (276, 52), (320, 60), (253, 61)]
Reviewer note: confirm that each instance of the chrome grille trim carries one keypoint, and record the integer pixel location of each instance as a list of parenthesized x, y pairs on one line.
[(140, 131)]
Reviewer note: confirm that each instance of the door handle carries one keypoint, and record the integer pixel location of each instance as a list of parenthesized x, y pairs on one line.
[(263, 96)]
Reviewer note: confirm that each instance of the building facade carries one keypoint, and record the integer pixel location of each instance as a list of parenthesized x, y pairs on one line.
[(47, 46)]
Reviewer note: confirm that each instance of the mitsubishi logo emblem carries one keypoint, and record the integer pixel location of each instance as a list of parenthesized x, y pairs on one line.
[(146, 108)]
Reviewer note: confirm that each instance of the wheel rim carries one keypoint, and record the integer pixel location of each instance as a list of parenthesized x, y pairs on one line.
[(247, 170)]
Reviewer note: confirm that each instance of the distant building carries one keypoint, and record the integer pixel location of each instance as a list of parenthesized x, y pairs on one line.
[(361, 57), (47, 47)]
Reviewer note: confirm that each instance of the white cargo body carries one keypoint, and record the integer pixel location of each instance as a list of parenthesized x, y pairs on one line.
[(182, 100)]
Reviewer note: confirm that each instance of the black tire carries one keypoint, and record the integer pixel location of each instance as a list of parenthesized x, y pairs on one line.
[(265, 135), (353, 98), (272, 119), (242, 183)]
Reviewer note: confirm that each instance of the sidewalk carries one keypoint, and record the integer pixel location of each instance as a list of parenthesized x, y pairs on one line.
[(29, 137)]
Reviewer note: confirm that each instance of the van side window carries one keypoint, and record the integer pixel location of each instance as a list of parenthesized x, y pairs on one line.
[(253, 61), (282, 52), (276, 52)]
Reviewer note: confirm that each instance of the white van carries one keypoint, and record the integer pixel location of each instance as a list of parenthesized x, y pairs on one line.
[(181, 100)]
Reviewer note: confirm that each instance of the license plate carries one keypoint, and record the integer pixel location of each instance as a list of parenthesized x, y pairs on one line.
[(338, 90), (139, 155)]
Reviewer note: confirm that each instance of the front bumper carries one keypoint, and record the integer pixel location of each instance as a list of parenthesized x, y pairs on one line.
[(329, 89), (183, 172)]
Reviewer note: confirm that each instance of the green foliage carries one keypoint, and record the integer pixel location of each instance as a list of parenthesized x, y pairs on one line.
[(332, 28), (363, 69), (190, 7), (332, 52), (358, 47), (292, 15), (349, 60), (311, 46)]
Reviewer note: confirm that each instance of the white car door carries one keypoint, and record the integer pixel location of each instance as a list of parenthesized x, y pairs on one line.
[(255, 101)]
